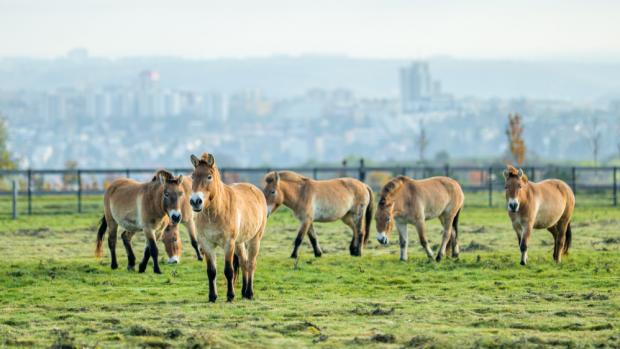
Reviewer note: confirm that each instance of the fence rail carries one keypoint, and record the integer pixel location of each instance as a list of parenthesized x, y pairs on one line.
[(601, 183)]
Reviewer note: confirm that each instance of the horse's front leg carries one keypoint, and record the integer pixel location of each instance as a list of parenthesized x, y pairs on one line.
[(314, 240), (525, 239), (208, 251), (151, 247), (305, 225), (229, 272), (403, 237), (191, 229)]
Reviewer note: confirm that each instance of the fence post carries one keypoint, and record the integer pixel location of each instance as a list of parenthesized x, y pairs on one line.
[(574, 180), (403, 171), (314, 173), (79, 190), (29, 191), (490, 186), (127, 173), (14, 199), (362, 171), (615, 187), (447, 170)]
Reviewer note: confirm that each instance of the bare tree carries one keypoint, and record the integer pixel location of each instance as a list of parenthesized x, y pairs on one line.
[(421, 143), (594, 134), (5, 157), (516, 144)]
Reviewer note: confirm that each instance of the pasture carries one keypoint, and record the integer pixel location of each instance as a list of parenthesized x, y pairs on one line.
[(55, 293)]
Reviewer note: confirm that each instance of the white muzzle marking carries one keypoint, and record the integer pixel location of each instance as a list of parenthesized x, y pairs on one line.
[(174, 260), (513, 205), (197, 197), (382, 238)]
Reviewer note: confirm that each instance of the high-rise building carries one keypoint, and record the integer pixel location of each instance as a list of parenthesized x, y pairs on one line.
[(415, 85)]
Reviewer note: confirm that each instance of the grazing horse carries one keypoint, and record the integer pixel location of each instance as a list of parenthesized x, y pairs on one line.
[(229, 216), (135, 206), (171, 236), (312, 201), (548, 204), (410, 201)]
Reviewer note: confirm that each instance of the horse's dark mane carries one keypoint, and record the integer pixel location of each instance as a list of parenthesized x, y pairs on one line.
[(391, 188)]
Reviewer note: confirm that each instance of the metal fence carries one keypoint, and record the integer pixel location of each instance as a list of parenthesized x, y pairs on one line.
[(80, 190)]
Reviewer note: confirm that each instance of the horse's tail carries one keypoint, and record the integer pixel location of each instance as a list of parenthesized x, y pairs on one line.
[(368, 215), (235, 267), (103, 226), (455, 226), (569, 237)]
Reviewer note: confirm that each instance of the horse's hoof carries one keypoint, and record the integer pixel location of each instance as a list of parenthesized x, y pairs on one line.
[(438, 258), (141, 269), (230, 297), (522, 262), (157, 271), (318, 253), (199, 258), (249, 296), (114, 266), (212, 298), (294, 255), (131, 268)]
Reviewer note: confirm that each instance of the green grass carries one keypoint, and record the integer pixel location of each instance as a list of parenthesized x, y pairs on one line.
[(54, 292)]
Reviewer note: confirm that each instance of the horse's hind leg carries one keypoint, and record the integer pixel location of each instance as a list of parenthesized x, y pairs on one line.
[(348, 220), (561, 228), (314, 241), (421, 228), (253, 249), (242, 255), (131, 257), (403, 238), (446, 222), (112, 230)]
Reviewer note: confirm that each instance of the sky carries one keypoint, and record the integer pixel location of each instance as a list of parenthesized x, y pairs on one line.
[(525, 29)]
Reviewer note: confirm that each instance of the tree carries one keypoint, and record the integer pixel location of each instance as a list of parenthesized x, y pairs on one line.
[(593, 134), (516, 144), (421, 143), (6, 162), (70, 178)]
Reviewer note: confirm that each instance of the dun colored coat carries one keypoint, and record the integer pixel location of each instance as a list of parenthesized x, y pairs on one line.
[(231, 217), (135, 206), (545, 205), (409, 201), (312, 201)]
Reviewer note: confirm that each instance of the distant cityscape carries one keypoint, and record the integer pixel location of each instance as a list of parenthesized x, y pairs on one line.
[(143, 120)]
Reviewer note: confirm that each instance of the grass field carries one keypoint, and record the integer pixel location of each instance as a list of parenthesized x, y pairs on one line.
[(53, 292)]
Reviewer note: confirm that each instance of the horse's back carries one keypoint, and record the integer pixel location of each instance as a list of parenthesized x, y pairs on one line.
[(250, 199), (556, 191), (437, 195)]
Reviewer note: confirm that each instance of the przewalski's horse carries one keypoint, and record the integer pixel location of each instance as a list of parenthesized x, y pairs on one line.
[(312, 201), (229, 216), (135, 206), (171, 236), (548, 204), (409, 201)]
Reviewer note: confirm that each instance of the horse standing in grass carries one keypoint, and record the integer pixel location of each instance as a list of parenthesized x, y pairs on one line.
[(545, 205), (135, 206), (409, 201), (171, 236), (229, 216), (312, 201)]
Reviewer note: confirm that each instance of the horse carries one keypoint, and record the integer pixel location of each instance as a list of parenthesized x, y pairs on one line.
[(545, 205), (229, 216), (171, 237), (410, 201), (347, 199), (135, 206)]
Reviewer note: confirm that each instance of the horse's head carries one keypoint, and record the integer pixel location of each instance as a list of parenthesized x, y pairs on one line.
[(172, 241), (516, 180), (272, 191), (384, 218), (172, 194), (204, 181)]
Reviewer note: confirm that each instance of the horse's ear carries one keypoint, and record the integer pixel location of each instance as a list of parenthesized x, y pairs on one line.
[(210, 160), (277, 177), (180, 179), (520, 173), (194, 160)]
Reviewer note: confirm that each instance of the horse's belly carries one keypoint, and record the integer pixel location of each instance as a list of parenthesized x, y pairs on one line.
[(328, 213)]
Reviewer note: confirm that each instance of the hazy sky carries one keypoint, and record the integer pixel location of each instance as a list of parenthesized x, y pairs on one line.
[(587, 29)]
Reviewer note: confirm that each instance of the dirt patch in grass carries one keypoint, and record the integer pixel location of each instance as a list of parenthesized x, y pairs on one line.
[(476, 246)]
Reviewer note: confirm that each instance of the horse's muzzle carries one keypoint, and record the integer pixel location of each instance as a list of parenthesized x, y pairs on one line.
[(382, 238), (175, 217)]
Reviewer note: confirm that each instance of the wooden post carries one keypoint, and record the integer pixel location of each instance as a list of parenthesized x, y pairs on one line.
[(574, 180), (29, 186), (490, 180), (79, 190), (362, 171), (14, 199), (615, 195), (315, 173)]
